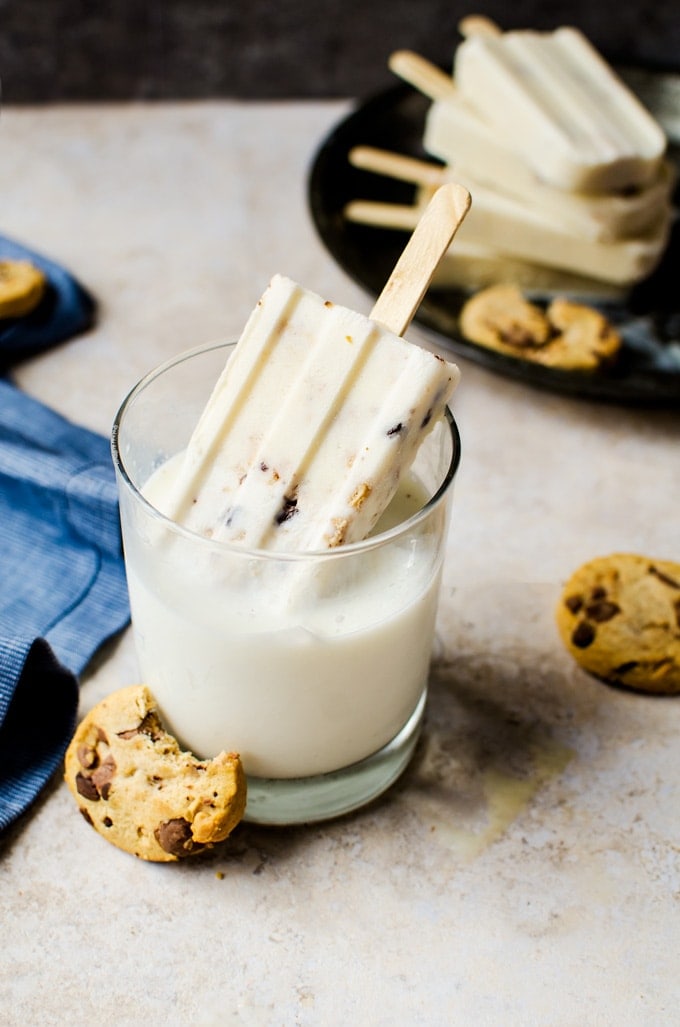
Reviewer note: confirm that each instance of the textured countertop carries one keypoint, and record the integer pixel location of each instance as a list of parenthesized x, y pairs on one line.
[(526, 869)]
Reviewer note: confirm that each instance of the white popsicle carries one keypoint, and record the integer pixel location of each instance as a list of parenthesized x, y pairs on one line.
[(553, 100), (474, 153), (498, 224), (319, 411)]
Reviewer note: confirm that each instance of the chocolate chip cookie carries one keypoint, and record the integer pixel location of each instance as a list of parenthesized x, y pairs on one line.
[(136, 787), (619, 617), (570, 336), (22, 286)]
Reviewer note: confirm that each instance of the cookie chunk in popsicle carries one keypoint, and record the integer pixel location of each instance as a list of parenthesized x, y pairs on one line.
[(320, 410)]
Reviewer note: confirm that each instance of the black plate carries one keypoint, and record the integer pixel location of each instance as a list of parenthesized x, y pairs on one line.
[(647, 371)]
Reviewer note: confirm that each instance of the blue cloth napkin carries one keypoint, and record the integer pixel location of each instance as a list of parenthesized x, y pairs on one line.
[(62, 579)]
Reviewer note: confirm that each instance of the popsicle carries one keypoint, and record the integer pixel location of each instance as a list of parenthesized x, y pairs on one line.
[(552, 99), (320, 409), (455, 134), (501, 223), (472, 266)]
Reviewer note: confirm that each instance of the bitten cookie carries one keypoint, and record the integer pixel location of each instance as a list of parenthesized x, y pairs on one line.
[(619, 617), (136, 787), (569, 336), (22, 286)]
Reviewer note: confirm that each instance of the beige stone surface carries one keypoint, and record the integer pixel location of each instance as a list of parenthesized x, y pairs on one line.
[(526, 869)]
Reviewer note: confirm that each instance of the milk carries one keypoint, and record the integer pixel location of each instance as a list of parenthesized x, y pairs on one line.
[(302, 665)]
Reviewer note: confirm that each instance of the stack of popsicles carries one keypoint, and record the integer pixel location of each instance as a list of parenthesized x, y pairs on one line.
[(565, 166)]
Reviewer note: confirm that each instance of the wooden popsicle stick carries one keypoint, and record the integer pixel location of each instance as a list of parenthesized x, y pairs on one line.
[(425, 76), (422, 74), (397, 165), (478, 25), (383, 215), (413, 272)]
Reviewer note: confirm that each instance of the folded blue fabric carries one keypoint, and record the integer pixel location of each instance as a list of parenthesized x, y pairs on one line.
[(62, 579)]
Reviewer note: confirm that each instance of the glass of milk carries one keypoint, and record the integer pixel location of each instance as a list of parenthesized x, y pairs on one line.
[(312, 666)]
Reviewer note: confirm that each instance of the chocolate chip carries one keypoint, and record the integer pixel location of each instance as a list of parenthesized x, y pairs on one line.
[(516, 335), (288, 509), (87, 757), (150, 726), (85, 815), (599, 592), (107, 822), (103, 776), (86, 787), (583, 635), (663, 577), (127, 735), (625, 668), (602, 611), (676, 607), (573, 603), (174, 837)]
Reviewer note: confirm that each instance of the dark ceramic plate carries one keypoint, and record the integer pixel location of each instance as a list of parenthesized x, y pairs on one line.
[(647, 371)]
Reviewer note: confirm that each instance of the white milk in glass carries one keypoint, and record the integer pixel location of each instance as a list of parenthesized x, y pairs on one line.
[(302, 666)]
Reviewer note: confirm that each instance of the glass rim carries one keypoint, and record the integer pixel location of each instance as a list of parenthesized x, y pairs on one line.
[(345, 550)]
